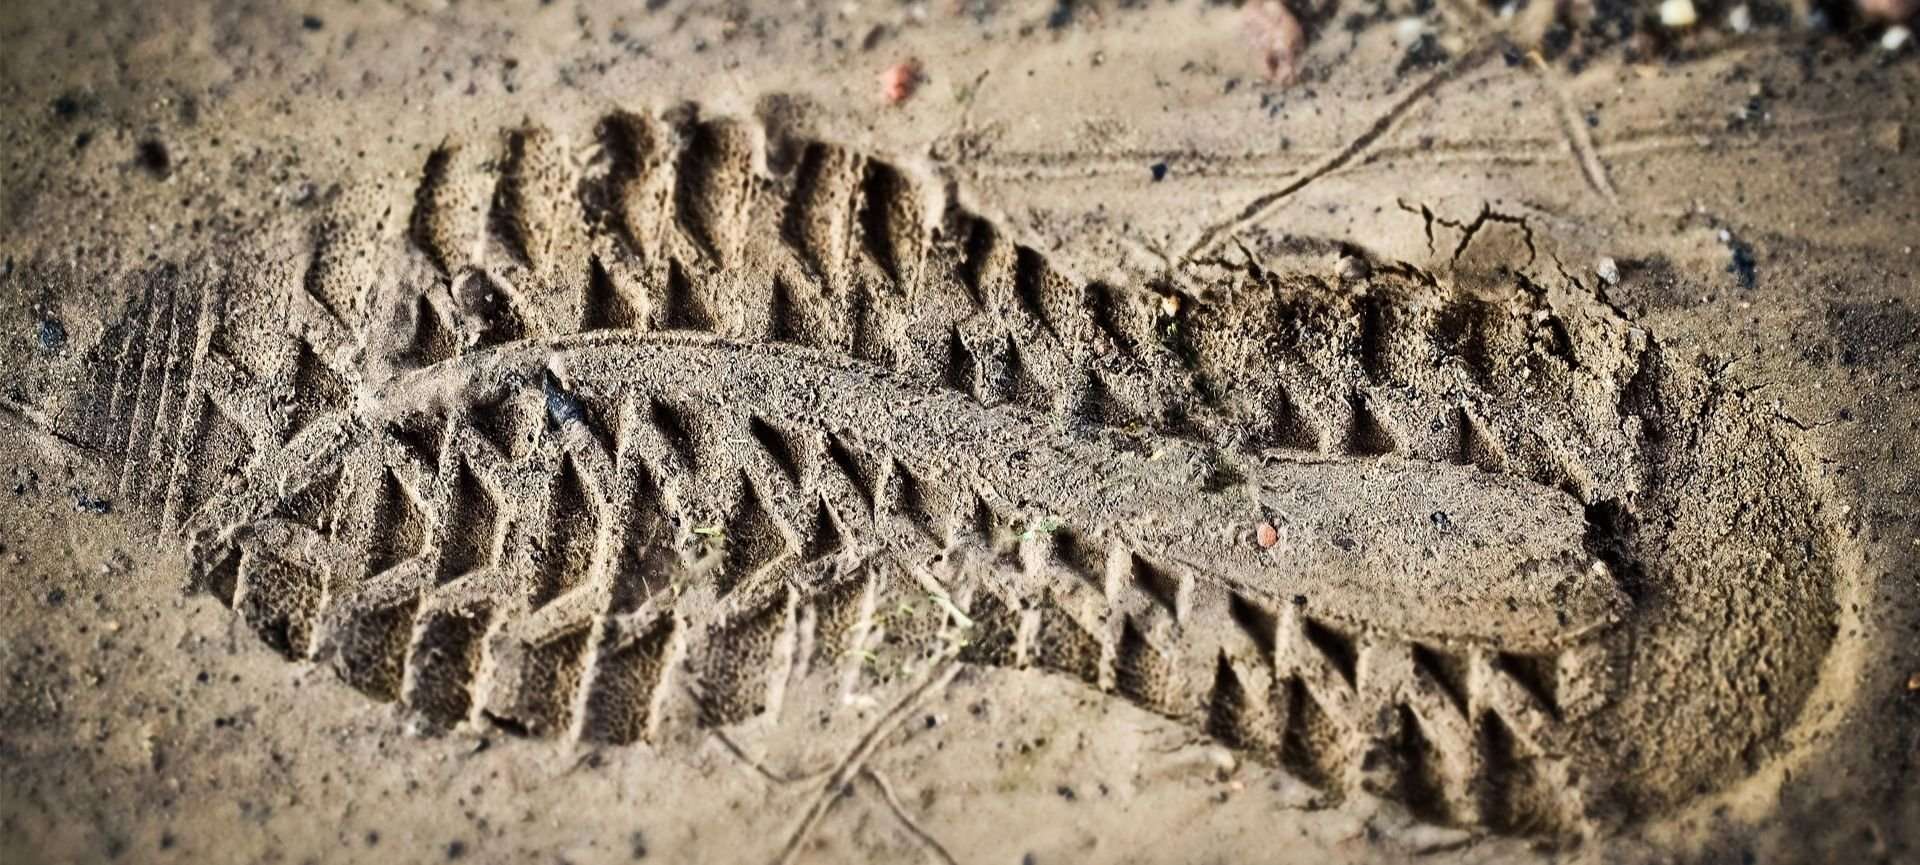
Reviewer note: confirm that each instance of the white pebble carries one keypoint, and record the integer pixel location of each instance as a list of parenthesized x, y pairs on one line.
[(1678, 13), (1895, 38), (1609, 271), (1740, 19)]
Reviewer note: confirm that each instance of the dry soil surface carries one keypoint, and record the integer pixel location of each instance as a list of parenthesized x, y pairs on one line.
[(963, 431)]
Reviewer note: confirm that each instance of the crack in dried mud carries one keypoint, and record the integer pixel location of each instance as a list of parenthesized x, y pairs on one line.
[(1263, 205)]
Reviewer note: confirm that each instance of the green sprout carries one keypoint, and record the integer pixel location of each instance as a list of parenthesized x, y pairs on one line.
[(1046, 525), (959, 616)]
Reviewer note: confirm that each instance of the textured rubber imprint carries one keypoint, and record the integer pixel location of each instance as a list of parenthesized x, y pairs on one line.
[(680, 426)]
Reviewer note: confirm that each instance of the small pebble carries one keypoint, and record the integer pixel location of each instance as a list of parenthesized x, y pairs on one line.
[(1277, 38), (1266, 535), (1890, 11), (1678, 13), (1895, 38), (1351, 267), (1740, 19), (1609, 271), (52, 334), (897, 82)]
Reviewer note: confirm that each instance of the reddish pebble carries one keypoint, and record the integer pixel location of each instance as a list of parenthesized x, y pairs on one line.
[(1277, 36), (1266, 535), (897, 82), (1890, 10)]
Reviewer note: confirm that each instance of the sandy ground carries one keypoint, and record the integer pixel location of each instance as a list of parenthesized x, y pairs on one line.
[(1748, 199)]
